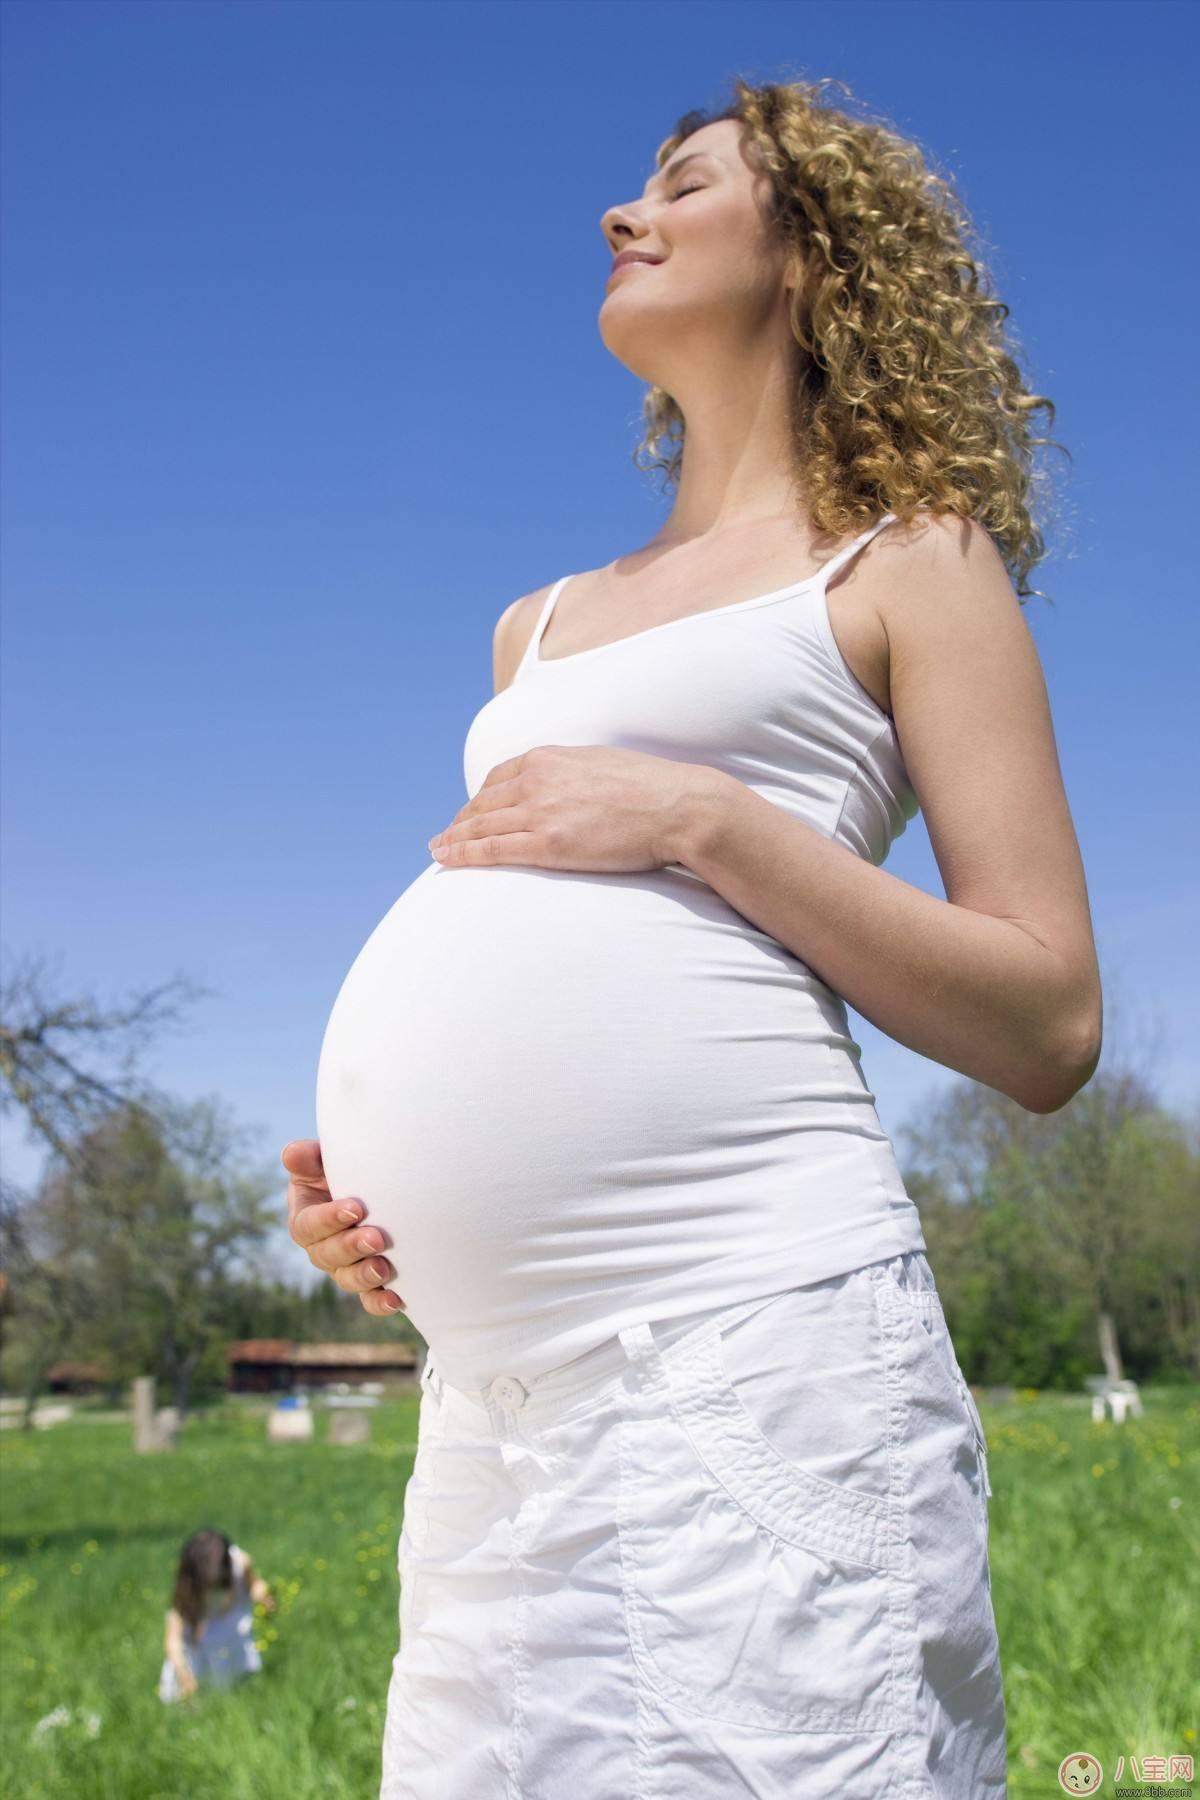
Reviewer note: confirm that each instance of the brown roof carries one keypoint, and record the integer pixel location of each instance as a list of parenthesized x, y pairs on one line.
[(261, 1350), (313, 1356)]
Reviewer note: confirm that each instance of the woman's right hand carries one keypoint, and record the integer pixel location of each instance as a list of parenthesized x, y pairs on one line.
[(329, 1230)]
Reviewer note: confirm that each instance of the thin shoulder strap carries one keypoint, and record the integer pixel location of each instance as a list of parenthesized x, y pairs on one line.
[(829, 569), (543, 621)]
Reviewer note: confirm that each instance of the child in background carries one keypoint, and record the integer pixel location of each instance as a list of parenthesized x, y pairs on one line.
[(210, 1627)]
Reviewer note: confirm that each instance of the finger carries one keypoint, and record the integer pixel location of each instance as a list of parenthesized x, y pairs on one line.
[(512, 765), (364, 1273), (317, 1219), (320, 1221), (346, 1246), (493, 837), (303, 1157), (384, 1303), (490, 798), (303, 1164)]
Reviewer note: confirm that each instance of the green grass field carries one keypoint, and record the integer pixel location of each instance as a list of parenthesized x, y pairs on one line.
[(1094, 1542)]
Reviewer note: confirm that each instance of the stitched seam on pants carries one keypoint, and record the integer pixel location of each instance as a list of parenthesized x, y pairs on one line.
[(396, 1697), (641, 1702), (418, 1542), (641, 1738), (518, 1653), (900, 1579)]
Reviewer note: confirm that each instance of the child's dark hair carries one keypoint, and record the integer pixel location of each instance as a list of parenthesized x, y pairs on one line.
[(204, 1563)]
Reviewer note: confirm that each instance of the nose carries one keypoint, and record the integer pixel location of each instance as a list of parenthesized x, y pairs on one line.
[(620, 226)]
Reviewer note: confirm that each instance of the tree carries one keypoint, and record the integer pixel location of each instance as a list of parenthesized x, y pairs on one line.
[(1056, 1235), (44, 1043), (47, 1044), (127, 1249)]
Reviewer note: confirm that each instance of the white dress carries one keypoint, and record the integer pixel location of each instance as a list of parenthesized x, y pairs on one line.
[(226, 1648)]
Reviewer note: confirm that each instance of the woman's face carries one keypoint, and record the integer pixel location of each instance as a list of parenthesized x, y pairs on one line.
[(717, 283)]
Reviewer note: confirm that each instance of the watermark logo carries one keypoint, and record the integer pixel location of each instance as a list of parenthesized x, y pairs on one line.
[(1157, 1770), (1155, 1776), (1079, 1773)]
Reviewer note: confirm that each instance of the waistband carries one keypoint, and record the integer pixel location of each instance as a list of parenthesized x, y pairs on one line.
[(509, 1399)]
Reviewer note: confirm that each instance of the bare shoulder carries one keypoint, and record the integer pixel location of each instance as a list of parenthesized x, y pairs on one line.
[(939, 563), (959, 649), (514, 628), (957, 633)]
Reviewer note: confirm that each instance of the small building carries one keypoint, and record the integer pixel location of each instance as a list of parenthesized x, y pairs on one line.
[(278, 1366), (81, 1378)]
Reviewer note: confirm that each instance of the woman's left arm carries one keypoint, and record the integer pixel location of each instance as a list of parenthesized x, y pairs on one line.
[(1000, 980)]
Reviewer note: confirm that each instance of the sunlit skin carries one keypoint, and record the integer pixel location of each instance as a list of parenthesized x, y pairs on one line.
[(709, 325)]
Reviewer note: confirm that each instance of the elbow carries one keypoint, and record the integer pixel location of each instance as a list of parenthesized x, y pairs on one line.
[(1067, 1073)]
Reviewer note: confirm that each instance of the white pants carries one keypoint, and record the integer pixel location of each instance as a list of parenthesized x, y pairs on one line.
[(740, 1554)]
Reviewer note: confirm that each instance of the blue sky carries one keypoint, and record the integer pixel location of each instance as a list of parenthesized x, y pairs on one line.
[(302, 385)]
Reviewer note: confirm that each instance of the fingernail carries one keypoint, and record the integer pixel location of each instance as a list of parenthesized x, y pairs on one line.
[(392, 1303), (440, 853), (350, 1214)]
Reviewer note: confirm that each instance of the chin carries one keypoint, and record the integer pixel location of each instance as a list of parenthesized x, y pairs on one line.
[(629, 346)]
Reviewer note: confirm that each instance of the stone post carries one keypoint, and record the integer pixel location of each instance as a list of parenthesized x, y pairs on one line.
[(145, 1435)]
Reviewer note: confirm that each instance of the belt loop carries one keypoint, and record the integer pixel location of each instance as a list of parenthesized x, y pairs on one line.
[(637, 1341)]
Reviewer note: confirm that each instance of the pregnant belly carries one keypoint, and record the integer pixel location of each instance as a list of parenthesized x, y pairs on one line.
[(530, 1072)]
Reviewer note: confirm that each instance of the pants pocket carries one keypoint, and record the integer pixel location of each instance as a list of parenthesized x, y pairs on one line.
[(757, 1589)]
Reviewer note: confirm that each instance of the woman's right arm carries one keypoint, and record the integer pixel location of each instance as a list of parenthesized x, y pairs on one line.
[(328, 1230), (174, 1651)]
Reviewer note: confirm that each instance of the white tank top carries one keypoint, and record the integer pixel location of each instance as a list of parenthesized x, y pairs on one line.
[(578, 1099)]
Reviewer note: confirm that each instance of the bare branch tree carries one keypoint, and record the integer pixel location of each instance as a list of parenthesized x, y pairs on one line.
[(45, 1044)]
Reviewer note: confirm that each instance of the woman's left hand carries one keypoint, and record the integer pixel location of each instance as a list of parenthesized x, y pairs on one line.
[(584, 807)]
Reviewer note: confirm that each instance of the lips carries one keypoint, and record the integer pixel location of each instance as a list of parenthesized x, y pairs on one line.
[(626, 261)]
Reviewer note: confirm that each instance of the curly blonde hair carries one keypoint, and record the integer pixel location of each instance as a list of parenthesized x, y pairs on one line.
[(907, 395)]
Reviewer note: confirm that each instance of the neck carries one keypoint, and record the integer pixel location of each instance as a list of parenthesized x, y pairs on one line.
[(738, 466)]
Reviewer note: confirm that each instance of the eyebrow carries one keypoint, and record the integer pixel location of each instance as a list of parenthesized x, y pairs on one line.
[(672, 168)]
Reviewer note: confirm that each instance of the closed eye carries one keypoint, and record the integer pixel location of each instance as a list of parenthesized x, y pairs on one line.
[(698, 188)]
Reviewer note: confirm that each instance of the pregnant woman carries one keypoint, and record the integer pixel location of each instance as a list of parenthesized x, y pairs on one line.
[(700, 1499)]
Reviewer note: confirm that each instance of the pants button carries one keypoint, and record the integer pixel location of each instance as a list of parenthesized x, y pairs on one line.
[(508, 1391)]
